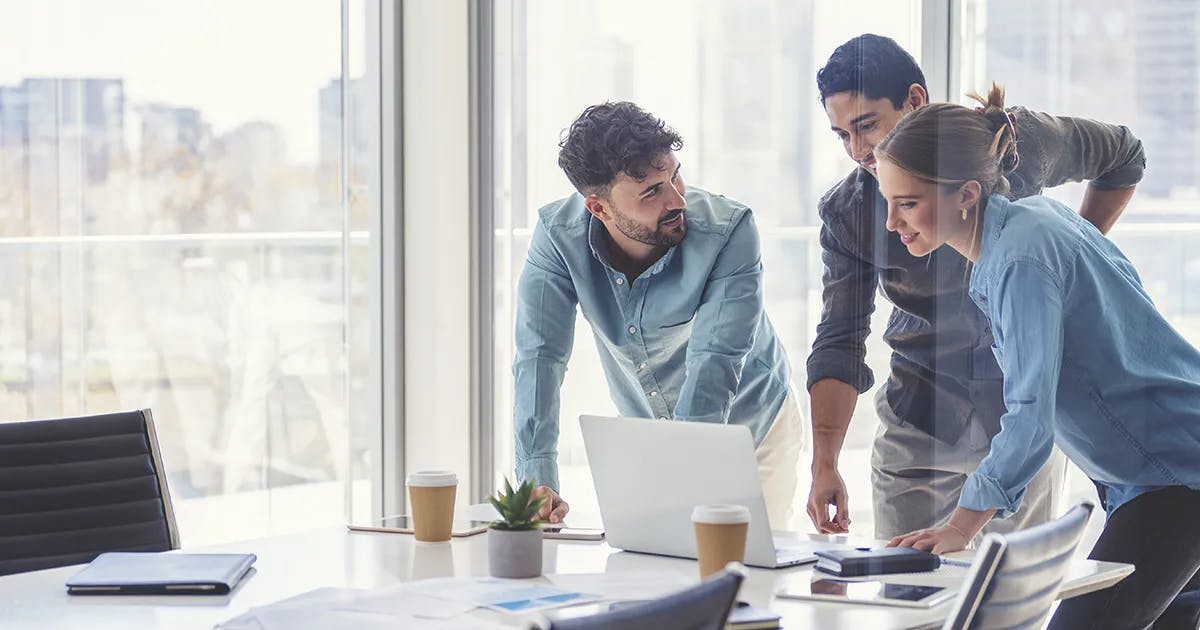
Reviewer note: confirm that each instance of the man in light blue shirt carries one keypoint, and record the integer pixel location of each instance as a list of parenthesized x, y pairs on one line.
[(670, 280)]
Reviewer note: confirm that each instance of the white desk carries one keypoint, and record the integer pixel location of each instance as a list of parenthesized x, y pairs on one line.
[(289, 565)]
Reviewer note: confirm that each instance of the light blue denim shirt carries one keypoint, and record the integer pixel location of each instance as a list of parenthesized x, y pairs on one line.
[(686, 340), (1088, 361)]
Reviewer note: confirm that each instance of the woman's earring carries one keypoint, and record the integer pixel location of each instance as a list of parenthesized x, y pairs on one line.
[(964, 214)]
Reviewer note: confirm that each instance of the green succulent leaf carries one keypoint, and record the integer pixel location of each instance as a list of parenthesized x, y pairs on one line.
[(518, 508)]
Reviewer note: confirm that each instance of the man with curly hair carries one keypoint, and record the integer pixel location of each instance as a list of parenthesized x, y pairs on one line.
[(670, 279)]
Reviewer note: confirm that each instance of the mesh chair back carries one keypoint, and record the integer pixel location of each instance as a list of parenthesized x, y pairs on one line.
[(1014, 579)]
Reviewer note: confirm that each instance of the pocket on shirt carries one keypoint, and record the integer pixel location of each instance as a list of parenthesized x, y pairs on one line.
[(675, 337), (673, 331)]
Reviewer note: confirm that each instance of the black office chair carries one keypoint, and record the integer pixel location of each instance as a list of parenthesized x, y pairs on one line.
[(73, 488), (705, 606), (1014, 579), (1182, 613)]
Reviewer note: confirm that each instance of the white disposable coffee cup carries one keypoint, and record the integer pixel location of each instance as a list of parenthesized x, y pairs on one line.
[(431, 494), (720, 535)]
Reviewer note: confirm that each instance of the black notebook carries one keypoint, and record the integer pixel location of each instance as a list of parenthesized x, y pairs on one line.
[(856, 562), (131, 573)]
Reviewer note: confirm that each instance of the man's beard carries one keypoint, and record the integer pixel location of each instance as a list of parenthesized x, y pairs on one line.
[(665, 237)]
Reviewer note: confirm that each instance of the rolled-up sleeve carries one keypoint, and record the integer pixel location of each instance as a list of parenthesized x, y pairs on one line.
[(1028, 331), (545, 332), (726, 321), (1108, 156), (847, 301)]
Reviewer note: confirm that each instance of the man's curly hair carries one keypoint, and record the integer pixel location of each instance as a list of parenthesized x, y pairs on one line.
[(613, 138)]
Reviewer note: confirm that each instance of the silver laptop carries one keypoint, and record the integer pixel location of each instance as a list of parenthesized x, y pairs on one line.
[(649, 474)]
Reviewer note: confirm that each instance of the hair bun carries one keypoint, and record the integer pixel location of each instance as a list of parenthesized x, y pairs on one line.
[(1010, 159), (1003, 126)]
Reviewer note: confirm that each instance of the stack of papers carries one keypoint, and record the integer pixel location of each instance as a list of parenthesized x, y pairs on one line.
[(335, 608)]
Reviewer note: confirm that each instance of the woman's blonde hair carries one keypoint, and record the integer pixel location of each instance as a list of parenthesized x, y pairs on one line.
[(951, 144)]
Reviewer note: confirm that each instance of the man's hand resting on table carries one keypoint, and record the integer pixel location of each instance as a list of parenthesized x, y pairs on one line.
[(554, 510)]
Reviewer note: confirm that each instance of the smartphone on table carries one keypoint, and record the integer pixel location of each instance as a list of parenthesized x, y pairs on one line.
[(562, 532)]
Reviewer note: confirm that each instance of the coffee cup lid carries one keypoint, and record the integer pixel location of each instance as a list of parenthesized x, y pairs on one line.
[(720, 514), (432, 478)]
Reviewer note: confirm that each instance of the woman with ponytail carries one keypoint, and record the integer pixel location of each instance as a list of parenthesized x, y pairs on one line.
[(1089, 363)]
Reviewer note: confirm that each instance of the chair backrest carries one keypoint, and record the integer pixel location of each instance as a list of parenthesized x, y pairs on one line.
[(1014, 578), (73, 488), (705, 606)]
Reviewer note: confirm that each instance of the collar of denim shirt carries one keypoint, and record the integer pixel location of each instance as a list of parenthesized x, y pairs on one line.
[(994, 217), (598, 241)]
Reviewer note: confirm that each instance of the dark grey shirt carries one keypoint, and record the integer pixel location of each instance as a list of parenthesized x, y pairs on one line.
[(943, 372)]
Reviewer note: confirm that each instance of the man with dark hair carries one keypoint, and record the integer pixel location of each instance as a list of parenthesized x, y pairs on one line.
[(943, 398), (670, 280)]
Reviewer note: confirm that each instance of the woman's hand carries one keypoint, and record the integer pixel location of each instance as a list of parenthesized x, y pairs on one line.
[(938, 540), (953, 536)]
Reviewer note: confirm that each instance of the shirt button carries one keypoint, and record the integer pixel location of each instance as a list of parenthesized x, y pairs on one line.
[(633, 330), (641, 366), (662, 417), (653, 394), (620, 280)]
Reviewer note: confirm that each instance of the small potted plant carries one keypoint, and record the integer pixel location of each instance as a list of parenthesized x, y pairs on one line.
[(515, 539)]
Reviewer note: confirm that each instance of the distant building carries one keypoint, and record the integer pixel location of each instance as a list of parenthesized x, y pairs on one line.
[(171, 137), (329, 148), (1132, 63), (754, 95), (56, 135), (1167, 88)]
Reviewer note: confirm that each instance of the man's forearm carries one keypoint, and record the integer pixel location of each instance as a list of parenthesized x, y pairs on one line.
[(1102, 208), (832, 405)]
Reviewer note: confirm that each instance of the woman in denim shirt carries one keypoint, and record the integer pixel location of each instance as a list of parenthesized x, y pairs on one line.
[(1089, 363)]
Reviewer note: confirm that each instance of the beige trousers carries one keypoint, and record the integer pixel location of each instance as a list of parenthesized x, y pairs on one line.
[(778, 460)]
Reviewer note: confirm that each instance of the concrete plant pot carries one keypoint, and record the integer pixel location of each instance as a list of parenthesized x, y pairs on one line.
[(515, 554)]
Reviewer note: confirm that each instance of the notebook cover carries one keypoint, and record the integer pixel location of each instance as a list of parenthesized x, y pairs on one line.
[(857, 562), (751, 618), (131, 573)]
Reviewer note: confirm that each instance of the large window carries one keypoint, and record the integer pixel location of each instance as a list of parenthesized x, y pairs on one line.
[(1129, 63), (186, 211), (737, 80)]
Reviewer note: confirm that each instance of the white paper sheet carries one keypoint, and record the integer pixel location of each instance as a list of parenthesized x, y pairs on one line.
[(380, 609), (626, 585), (406, 602), (513, 596)]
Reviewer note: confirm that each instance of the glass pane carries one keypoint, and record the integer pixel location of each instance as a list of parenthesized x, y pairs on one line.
[(177, 235), (737, 80), (1129, 63)]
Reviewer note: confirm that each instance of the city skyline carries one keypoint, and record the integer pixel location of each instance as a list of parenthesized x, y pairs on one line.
[(267, 64)]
